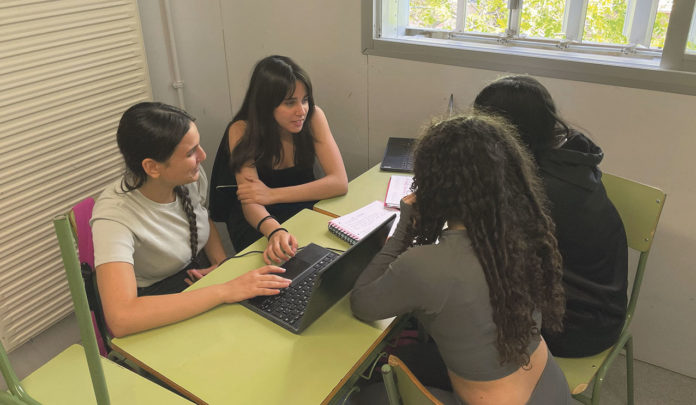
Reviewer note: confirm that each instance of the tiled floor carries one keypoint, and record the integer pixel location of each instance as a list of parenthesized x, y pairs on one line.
[(652, 385)]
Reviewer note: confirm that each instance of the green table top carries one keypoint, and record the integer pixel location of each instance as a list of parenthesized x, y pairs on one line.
[(65, 380), (232, 355), (362, 190)]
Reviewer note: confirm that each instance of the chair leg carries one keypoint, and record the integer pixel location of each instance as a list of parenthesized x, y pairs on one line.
[(390, 385), (629, 370), (9, 399), (597, 389)]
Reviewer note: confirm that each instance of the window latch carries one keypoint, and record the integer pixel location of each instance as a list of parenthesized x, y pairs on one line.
[(563, 43), (629, 49)]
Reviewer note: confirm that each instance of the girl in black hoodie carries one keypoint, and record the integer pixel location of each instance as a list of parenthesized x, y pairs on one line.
[(591, 236)]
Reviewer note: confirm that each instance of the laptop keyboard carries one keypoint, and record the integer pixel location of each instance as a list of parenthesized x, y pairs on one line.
[(290, 304), (408, 162), (399, 154)]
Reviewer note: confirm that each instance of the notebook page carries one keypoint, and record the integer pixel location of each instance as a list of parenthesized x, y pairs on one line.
[(363, 220), (399, 187)]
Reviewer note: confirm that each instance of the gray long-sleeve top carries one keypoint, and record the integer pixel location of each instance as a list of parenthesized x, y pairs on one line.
[(444, 286)]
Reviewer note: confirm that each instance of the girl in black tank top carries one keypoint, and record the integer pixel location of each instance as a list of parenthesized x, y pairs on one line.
[(268, 151)]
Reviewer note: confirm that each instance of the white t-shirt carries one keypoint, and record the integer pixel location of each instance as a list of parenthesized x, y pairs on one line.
[(153, 237)]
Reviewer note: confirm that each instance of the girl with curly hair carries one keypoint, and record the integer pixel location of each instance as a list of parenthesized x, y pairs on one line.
[(481, 286)]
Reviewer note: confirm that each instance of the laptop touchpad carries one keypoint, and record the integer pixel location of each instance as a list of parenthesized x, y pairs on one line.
[(294, 267), (302, 261)]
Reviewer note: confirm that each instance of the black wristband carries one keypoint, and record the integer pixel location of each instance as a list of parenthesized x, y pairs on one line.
[(276, 230), (258, 226)]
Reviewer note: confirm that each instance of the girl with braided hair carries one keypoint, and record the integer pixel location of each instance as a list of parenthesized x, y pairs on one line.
[(152, 236), (481, 286)]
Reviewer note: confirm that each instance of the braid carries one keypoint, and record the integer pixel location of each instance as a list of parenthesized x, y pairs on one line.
[(183, 194)]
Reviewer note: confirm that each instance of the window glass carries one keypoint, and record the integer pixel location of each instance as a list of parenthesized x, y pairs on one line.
[(691, 39), (486, 16), (438, 14), (542, 19), (664, 9), (604, 22)]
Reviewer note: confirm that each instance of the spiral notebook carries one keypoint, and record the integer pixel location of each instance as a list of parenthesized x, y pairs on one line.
[(354, 226)]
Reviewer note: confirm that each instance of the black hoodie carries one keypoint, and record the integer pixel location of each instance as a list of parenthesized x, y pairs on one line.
[(592, 241)]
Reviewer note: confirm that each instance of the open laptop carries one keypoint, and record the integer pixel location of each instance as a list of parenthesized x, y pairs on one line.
[(398, 157), (320, 278)]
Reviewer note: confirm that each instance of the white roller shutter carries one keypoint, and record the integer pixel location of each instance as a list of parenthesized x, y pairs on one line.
[(68, 70)]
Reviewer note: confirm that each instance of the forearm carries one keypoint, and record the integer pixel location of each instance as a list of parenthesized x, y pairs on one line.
[(383, 293), (147, 312), (395, 245), (213, 249), (255, 213), (331, 185), (379, 293)]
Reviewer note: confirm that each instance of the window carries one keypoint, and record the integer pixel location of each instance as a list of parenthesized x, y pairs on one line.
[(590, 40), (691, 38)]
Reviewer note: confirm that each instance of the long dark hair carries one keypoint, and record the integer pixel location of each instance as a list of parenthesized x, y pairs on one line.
[(527, 104), (472, 169), (153, 130), (272, 81)]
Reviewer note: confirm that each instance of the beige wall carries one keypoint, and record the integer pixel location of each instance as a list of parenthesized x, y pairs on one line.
[(307, 31), (198, 33), (646, 135)]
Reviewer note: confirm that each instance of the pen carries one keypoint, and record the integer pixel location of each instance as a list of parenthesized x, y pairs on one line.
[(224, 186), (450, 107)]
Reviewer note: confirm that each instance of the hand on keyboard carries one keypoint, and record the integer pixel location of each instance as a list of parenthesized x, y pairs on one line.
[(260, 281), (281, 247)]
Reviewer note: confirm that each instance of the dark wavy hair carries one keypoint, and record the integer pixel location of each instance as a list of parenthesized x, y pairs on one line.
[(272, 81), (153, 130), (527, 104), (472, 169)]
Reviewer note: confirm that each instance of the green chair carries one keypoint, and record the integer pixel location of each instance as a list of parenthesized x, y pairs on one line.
[(16, 395), (79, 217), (66, 378), (403, 388), (639, 206)]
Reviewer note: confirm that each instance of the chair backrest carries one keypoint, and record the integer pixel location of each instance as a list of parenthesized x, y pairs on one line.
[(79, 217), (403, 388), (66, 241), (639, 206)]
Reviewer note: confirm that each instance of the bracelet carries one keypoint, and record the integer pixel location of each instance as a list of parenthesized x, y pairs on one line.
[(258, 226), (276, 230)]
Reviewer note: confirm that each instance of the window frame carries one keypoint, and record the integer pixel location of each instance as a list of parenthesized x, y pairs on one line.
[(675, 73)]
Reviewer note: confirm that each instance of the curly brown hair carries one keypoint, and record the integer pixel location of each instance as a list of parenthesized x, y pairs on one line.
[(472, 169)]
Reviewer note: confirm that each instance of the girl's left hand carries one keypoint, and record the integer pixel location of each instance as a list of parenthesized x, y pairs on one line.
[(409, 199), (197, 274), (254, 191), (282, 246)]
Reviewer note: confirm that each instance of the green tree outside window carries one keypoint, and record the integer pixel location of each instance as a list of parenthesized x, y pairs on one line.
[(539, 19)]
